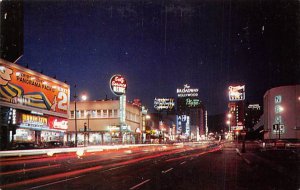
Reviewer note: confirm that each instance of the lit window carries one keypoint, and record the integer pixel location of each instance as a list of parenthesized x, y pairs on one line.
[(72, 114)]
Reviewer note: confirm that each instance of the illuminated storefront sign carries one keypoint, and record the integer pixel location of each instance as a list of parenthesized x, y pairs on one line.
[(187, 91), (22, 88), (192, 102), (236, 93), (164, 104), (58, 123), (113, 128), (118, 85), (33, 121)]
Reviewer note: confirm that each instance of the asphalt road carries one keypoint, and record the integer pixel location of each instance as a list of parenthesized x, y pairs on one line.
[(191, 166)]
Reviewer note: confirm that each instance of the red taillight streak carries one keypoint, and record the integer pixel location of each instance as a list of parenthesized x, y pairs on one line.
[(29, 170)]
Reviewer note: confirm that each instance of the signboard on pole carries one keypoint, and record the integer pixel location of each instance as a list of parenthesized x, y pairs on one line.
[(118, 85)]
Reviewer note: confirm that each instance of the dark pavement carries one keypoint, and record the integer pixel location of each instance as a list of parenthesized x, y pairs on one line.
[(165, 167)]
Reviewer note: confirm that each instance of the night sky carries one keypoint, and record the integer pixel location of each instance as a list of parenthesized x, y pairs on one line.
[(161, 45)]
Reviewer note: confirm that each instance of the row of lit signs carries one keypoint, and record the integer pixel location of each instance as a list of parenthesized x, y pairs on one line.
[(42, 122), (168, 104)]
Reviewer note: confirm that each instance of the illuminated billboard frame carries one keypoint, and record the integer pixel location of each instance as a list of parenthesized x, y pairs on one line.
[(236, 93), (22, 88), (164, 104), (118, 85)]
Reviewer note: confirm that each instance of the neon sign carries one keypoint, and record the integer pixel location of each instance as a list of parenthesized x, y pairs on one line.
[(192, 102), (118, 85), (187, 91), (236, 93), (164, 103)]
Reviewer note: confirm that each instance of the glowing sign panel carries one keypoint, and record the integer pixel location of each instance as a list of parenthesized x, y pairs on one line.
[(164, 103), (236, 93), (118, 85), (187, 91), (22, 88), (192, 102)]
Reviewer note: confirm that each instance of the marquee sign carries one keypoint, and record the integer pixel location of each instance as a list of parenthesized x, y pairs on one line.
[(236, 93), (33, 121), (118, 85), (187, 91), (164, 103), (22, 88)]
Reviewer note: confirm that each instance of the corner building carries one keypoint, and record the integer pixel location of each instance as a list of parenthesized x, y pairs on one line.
[(101, 119), (282, 107)]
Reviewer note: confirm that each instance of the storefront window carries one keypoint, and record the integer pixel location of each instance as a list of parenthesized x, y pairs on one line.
[(81, 114), (94, 113), (116, 113), (24, 135), (72, 114), (104, 113), (110, 113), (98, 113)]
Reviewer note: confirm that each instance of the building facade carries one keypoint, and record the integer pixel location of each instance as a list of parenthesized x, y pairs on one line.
[(282, 113), (98, 122), (34, 107)]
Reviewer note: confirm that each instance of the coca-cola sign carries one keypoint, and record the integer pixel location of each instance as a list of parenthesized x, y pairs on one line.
[(118, 85)]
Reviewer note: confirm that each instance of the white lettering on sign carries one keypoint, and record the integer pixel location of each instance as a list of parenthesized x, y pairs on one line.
[(187, 91), (60, 124)]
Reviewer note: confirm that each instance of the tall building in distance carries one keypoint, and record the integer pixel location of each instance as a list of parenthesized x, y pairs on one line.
[(191, 114), (252, 115), (11, 29), (236, 108)]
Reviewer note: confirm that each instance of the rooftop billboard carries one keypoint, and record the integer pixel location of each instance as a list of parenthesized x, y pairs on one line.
[(22, 88), (236, 93)]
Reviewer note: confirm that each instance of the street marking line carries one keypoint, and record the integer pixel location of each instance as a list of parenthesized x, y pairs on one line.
[(183, 162), (166, 171), (114, 168), (36, 187), (142, 183), (246, 160)]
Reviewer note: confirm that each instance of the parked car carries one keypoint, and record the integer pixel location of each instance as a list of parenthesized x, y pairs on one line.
[(24, 145)]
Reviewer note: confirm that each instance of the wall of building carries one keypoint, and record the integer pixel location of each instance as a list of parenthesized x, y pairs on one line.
[(103, 118), (282, 106)]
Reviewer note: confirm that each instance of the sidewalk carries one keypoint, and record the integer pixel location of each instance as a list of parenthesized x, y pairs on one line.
[(284, 162)]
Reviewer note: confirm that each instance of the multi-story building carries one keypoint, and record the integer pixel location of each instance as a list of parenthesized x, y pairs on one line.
[(252, 115), (282, 113), (98, 122)]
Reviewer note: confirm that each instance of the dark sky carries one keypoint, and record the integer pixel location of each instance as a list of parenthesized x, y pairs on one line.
[(161, 45)]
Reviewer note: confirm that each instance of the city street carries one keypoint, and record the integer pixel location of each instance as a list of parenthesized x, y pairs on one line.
[(189, 166)]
